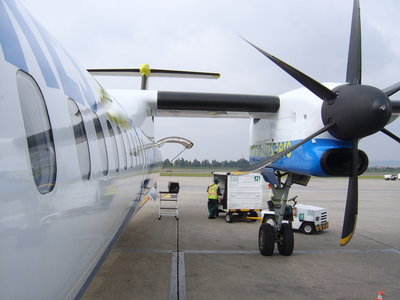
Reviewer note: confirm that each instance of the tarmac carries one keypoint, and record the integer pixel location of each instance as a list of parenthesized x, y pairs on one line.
[(197, 258)]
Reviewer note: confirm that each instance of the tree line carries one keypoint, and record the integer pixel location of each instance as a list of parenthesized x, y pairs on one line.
[(241, 163), (183, 163)]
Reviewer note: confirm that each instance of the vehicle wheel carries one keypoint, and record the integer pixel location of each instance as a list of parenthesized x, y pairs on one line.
[(253, 214), (266, 236), (286, 243), (228, 217), (307, 228)]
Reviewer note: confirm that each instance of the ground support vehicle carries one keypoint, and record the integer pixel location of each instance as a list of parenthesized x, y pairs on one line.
[(241, 196), (391, 177), (306, 218)]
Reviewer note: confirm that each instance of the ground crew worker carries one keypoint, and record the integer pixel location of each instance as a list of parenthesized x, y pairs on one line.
[(213, 192)]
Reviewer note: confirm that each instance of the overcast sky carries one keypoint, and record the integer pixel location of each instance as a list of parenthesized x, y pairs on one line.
[(203, 35)]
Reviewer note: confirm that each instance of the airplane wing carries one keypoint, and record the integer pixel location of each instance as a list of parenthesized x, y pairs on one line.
[(197, 105), (186, 104)]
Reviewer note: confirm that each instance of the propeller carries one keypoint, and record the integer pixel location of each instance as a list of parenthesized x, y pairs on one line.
[(389, 91), (353, 75), (314, 86), (387, 132), (349, 112), (351, 210)]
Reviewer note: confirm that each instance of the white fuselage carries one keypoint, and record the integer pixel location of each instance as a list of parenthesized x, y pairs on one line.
[(52, 234)]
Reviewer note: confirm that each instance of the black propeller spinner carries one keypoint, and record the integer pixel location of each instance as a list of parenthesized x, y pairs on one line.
[(358, 111), (349, 112)]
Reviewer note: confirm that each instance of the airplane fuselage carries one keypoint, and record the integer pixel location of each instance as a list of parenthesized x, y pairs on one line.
[(74, 164)]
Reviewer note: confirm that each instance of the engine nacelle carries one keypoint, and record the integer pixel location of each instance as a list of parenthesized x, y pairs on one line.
[(338, 162)]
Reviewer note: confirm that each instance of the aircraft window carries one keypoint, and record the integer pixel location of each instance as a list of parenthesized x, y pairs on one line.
[(101, 144), (144, 152), (139, 148), (81, 140), (128, 145), (133, 149), (39, 133), (114, 145), (121, 147)]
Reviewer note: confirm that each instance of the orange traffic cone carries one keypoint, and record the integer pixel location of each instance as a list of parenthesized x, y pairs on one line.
[(380, 295)]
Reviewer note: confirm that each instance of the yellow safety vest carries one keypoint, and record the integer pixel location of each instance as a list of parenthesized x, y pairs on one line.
[(213, 191)]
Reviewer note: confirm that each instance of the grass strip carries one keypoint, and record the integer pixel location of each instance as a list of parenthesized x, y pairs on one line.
[(190, 174)]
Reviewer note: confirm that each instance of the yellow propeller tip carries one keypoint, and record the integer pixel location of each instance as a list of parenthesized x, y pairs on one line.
[(344, 241)]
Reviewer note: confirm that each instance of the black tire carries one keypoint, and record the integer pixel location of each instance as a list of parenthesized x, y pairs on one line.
[(266, 239), (307, 228), (286, 242), (228, 217)]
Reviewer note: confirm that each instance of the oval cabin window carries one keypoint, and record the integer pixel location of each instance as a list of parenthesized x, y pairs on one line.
[(81, 140), (114, 146), (39, 134), (101, 143)]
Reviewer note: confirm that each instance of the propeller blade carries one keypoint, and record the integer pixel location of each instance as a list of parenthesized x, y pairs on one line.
[(350, 214), (272, 159), (395, 107), (354, 59), (311, 84), (389, 91), (393, 136)]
